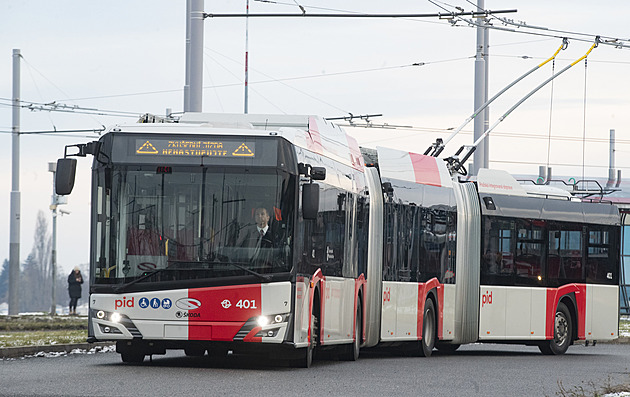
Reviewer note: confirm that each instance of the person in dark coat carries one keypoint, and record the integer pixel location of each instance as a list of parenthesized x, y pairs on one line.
[(75, 279)]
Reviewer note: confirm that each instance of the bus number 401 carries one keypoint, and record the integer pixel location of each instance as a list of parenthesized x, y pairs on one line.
[(246, 304)]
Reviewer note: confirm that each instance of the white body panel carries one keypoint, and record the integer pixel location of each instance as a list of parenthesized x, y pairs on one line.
[(602, 309), (338, 310), (448, 312), (400, 311), (512, 313)]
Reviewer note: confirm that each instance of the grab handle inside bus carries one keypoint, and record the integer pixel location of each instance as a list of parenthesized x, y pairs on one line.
[(64, 178)]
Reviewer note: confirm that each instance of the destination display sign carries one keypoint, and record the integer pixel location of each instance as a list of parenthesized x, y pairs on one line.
[(195, 148)]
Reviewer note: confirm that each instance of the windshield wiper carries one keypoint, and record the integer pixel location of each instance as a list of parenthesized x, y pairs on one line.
[(132, 282), (121, 288), (264, 277)]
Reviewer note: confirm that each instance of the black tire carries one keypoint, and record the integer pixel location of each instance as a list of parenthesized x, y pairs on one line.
[(447, 348), (428, 329), (132, 357), (307, 353), (562, 333), (217, 352), (195, 351), (351, 352)]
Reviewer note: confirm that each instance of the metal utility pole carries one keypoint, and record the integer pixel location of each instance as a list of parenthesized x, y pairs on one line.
[(52, 167), (479, 160), (486, 112), (246, 57), (611, 161), (14, 238), (187, 83), (193, 89)]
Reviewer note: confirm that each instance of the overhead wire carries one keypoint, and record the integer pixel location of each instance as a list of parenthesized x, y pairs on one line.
[(30, 66), (62, 107), (347, 72), (238, 78), (296, 89), (339, 10), (608, 40)]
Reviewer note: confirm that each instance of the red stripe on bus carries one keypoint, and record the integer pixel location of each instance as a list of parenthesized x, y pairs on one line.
[(313, 137), (553, 298), (423, 290), (425, 169), (226, 309)]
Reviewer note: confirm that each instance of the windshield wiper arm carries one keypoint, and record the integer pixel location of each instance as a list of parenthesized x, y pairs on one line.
[(264, 277), (132, 282)]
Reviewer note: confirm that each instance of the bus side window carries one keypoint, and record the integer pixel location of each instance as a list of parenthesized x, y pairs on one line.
[(601, 263)]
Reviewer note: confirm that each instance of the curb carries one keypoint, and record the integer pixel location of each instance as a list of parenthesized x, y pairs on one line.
[(13, 352)]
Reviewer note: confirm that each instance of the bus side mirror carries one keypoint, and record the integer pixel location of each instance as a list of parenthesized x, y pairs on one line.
[(318, 173), (64, 178), (310, 201)]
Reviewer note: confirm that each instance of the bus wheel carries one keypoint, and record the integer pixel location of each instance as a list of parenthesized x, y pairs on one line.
[(428, 329), (306, 356), (132, 356), (351, 352), (194, 351), (562, 333), (447, 348)]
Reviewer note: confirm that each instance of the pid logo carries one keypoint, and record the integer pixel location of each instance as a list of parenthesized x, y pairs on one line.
[(124, 302), (486, 299)]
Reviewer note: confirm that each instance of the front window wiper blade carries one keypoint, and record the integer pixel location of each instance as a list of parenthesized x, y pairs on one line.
[(264, 277), (121, 288)]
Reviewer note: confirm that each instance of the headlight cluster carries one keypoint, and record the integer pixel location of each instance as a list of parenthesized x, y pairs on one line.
[(263, 321), (107, 316)]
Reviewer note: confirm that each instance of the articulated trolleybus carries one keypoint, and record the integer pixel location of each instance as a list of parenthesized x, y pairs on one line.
[(278, 236)]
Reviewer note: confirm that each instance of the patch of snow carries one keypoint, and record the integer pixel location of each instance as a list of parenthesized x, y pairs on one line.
[(94, 350)]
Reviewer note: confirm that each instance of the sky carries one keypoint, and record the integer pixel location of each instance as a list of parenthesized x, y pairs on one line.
[(118, 59)]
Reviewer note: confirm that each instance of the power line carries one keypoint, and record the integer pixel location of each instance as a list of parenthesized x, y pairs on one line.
[(448, 15), (334, 9), (608, 40), (57, 133), (62, 107)]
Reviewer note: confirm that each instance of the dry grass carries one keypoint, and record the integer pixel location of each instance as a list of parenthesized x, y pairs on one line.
[(39, 338), (38, 322)]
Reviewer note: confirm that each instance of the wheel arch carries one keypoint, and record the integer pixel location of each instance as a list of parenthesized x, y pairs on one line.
[(569, 301)]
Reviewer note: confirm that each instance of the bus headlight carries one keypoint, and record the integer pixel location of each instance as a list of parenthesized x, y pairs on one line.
[(100, 314), (115, 317), (267, 320)]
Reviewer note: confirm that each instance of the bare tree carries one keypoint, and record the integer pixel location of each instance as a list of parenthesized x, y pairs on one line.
[(36, 271)]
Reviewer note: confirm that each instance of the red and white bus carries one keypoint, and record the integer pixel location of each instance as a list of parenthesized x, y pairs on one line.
[(398, 251)]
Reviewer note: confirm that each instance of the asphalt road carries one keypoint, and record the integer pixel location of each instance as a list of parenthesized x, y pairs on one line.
[(474, 370)]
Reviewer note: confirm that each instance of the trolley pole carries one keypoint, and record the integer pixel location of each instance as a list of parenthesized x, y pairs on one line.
[(14, 238), (246, 107), (52, 167)]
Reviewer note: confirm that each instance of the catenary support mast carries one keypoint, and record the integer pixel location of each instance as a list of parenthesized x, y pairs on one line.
[(14, 238)]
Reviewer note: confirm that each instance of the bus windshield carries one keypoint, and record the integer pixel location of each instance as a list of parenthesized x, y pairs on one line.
[(173, 224)]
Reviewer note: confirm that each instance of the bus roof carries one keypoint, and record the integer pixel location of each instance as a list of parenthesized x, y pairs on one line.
[(312, 133)]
